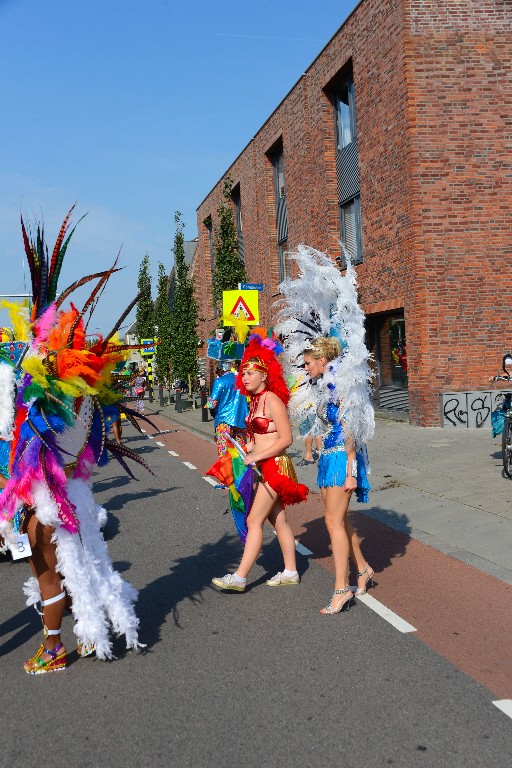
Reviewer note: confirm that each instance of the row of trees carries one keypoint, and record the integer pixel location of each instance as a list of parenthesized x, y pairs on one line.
[(173, 316)]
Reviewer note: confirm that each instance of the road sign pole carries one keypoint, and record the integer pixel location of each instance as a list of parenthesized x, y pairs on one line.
[(150, 379)]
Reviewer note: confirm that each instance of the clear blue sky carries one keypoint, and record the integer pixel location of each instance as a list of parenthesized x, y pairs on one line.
[(134, 110)]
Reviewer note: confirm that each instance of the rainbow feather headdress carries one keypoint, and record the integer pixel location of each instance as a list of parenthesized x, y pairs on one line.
[(64, 393)]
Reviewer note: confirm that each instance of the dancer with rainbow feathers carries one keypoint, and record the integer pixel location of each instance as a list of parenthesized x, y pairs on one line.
[(261, 378), (54, 417)]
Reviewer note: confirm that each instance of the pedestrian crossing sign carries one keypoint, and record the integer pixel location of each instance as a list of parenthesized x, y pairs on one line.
[(241, 305)]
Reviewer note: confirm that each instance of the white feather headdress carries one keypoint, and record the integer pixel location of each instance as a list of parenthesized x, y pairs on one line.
[(7, 395), (323, 302)]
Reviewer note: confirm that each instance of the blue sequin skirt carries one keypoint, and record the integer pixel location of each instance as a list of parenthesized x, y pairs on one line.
[(332, 471)]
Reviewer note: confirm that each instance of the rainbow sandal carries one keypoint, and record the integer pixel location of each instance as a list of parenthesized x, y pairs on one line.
[(35, 665), (56, 662)]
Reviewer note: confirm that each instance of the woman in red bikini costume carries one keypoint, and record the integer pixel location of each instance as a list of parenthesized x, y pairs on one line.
[(261, 378)]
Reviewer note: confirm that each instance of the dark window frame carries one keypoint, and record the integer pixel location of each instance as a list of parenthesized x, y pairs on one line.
[(276, 158), (208, 223), (358, 257), (236, 198), (283, 261), (348, 84)]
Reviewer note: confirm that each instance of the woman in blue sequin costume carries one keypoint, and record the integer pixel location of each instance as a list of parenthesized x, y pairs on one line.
[(341, 472)]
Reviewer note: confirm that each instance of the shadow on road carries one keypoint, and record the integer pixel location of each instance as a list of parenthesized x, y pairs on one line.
[(111, 483), (381, 544), (187, 580), (26, 626), (117, 502)]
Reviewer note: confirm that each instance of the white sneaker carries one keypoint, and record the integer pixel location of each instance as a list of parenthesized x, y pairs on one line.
[(228, 582), (280, 580)]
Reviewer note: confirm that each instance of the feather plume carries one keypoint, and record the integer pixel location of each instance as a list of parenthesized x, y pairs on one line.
[(122, 450), (119, 322), (78, 284), (101, 283), (322, 302), (57, 246)]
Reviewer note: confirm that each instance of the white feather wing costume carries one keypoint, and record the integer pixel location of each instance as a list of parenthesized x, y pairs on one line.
[(323, 302)]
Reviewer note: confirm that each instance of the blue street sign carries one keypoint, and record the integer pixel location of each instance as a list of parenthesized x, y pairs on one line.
[(250, 287), (148, 350)]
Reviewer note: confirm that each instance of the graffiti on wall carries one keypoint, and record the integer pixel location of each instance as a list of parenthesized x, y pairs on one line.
[(469, 410)]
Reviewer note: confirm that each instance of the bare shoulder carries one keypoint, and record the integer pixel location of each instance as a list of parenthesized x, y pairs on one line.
[(274, 402)]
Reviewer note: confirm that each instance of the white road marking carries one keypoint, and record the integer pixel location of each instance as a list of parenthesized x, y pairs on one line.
[(162, 445), (302, 549), (151, 437), (386, 613), (211, 480), (189, 465), (505, 705), (173, 453)]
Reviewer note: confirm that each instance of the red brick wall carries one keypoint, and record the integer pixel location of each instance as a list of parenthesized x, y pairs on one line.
[(458, 64), (432, 87)]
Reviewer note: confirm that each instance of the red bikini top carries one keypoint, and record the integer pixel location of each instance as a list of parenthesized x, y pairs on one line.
[(258, 425)]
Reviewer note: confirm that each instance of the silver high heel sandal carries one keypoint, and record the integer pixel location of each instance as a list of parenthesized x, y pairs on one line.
[(368, 583), (330, 611)]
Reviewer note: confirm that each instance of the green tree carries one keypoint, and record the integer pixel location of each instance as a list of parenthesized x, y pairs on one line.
[(162, 322), (229, 268), (144, 314), (183, 323)]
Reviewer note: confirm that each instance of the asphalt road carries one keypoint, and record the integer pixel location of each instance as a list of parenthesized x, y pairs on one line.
[(254, 679)]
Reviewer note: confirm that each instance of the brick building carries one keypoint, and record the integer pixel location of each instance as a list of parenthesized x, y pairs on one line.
[(398, 141)]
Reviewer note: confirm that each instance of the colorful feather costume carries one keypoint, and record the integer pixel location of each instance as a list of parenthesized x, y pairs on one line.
[(277, 472), (57, 430), (323, 302)]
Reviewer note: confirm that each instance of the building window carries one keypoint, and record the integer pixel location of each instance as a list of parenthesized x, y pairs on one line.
[(345, 114), (278, 163), (347, 162), (276, 157), (235, 196), (284, 269), (350, 223), (209, 226)]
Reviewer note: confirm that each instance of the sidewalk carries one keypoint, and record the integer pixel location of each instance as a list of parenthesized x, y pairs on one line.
[(445, 488)]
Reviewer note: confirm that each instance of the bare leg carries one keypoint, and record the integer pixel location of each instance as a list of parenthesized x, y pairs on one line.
[(117, 430), (355, 549), (308, 446), (262, 506), (285, 536), (43, 563), (336, 501)]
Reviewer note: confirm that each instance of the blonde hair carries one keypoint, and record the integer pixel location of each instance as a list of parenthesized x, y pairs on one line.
[(322, 346)]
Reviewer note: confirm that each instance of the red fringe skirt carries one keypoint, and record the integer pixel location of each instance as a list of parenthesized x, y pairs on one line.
[(279, 473)]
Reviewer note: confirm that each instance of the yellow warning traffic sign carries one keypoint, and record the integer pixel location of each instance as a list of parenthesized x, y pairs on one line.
[(241, 305)]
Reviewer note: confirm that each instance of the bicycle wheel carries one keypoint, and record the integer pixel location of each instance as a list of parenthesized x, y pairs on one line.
[(506, 446)]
